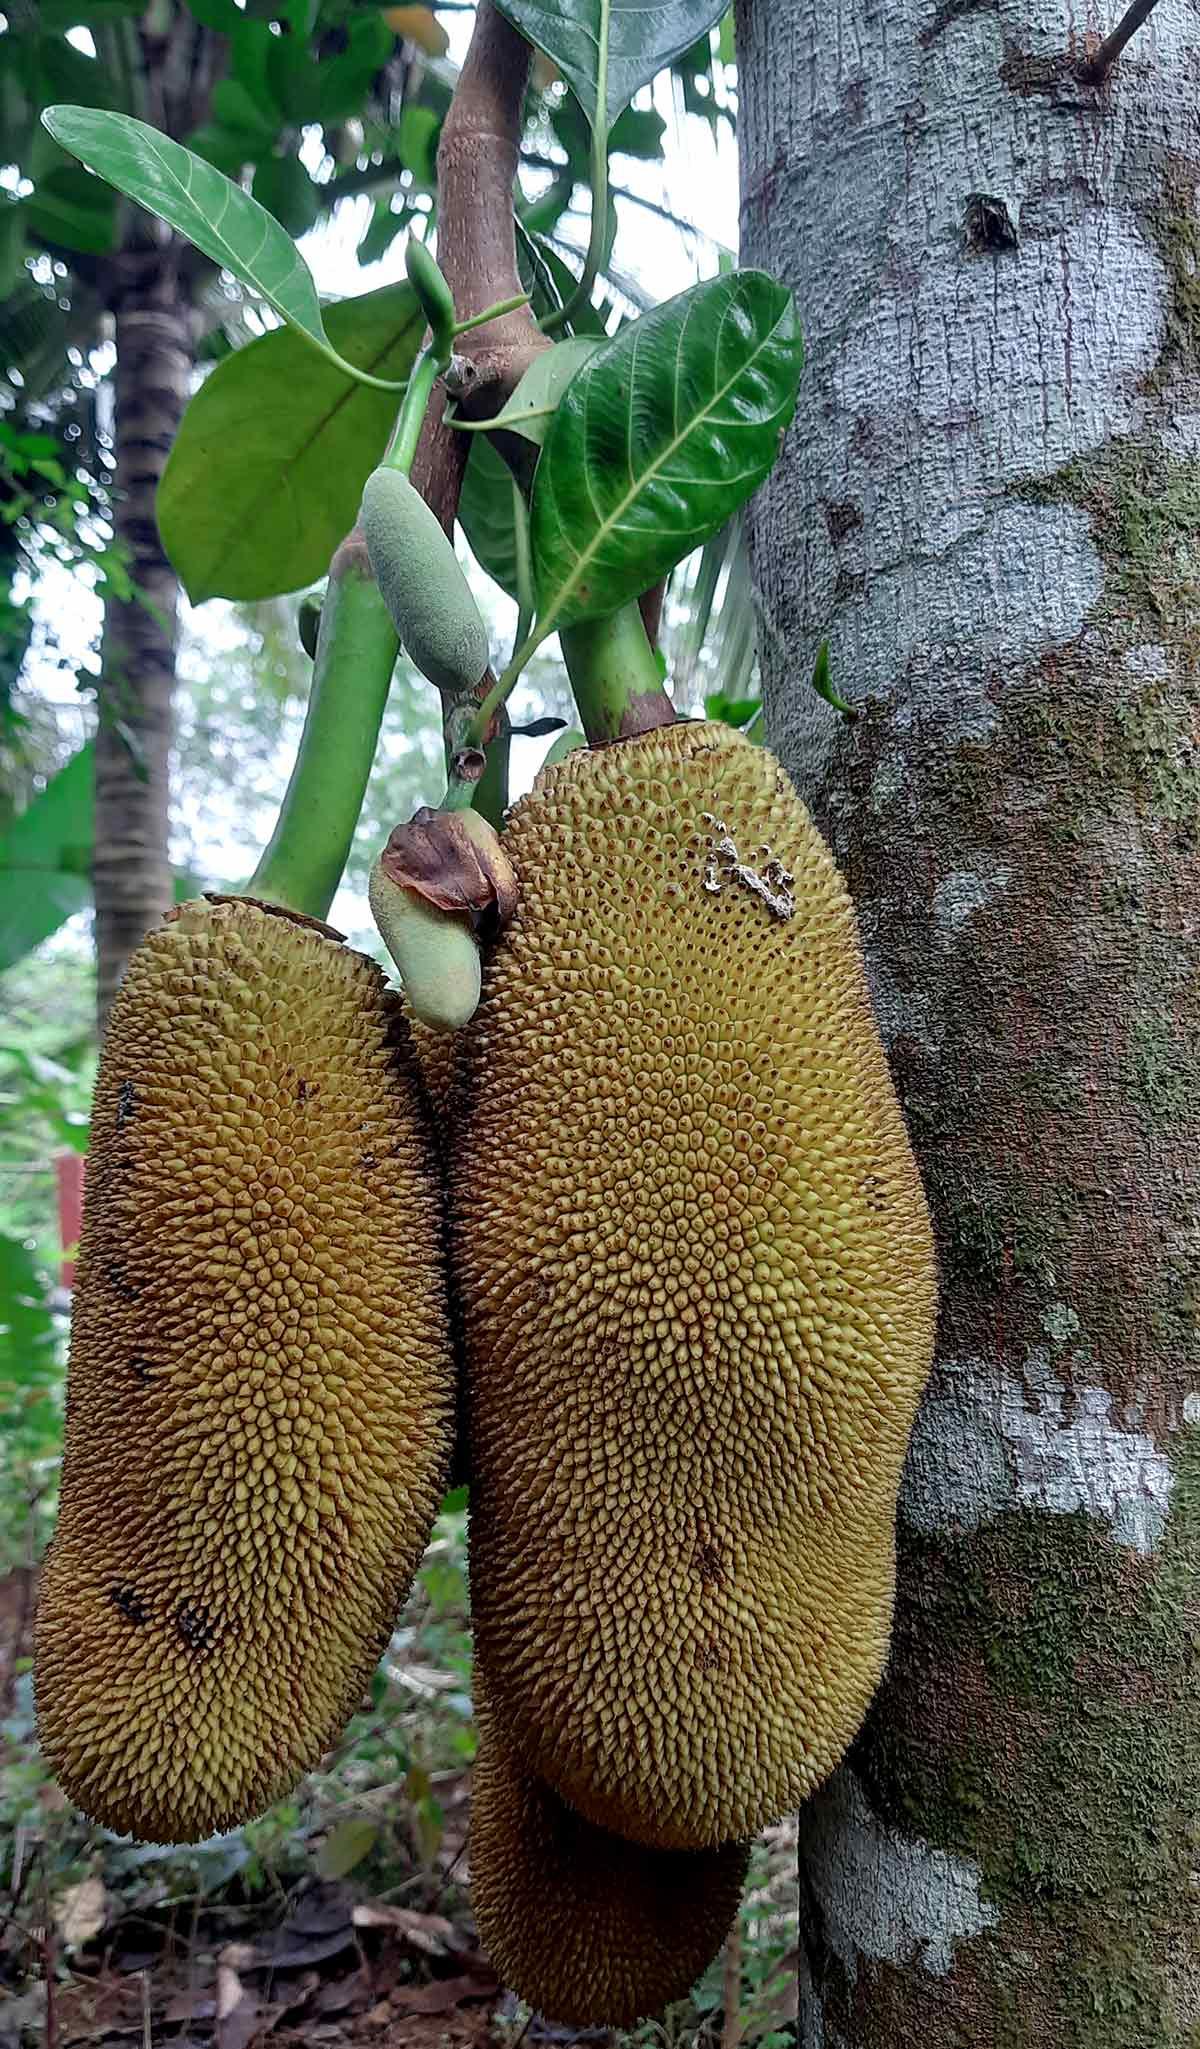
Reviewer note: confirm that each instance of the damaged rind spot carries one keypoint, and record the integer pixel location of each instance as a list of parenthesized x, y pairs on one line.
[(773, 883)]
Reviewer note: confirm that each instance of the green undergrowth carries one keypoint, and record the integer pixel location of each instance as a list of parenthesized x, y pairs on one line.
[(385, 1818)]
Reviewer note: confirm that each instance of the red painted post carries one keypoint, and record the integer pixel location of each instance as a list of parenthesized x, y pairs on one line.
[(69, 1171)]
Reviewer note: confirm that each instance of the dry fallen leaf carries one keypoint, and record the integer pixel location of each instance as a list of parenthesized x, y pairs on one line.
[(239, 1956), (431, 1933), (229, 1990), (80, 1912), (421, 26), (442, 1996)]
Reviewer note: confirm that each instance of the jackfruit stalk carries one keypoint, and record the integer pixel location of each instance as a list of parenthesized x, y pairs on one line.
[(698, 1284), (260, 1391)]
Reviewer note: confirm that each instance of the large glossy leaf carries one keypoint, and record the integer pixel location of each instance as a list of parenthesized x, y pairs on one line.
[(273, 451), (197, 200), (638, 40), (659, 437), (485, 512), (46, 860)]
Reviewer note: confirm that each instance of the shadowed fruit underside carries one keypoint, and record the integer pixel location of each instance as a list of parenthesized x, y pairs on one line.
[(587, 1928), (698, 1285), (260, 1392)]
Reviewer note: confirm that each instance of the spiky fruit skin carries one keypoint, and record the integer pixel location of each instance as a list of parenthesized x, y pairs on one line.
[(437, 1058), (260, 1391), (698, 1283), (588, 1929)]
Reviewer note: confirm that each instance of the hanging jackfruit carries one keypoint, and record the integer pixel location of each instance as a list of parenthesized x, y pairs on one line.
[(260, 1392), (698, 1284), (590, 1930)]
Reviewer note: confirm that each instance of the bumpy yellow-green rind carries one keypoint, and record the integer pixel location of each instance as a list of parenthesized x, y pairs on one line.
[(260, 1389), (698, 1281), (590, 1930), (422, 583)]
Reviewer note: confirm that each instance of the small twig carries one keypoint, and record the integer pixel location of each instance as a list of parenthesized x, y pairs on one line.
[(452, 1867), (147, 2032), (21, 1872), (46, 1952), (1097, 68)]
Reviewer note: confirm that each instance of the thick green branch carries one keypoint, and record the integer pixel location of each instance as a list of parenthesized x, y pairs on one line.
[(615, 676), (356, 652)]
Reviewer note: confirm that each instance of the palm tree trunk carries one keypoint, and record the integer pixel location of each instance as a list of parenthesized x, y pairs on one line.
[(990, 501), (132, 870)]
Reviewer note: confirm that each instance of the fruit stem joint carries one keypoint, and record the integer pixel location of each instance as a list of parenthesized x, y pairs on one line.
[(615, 677)]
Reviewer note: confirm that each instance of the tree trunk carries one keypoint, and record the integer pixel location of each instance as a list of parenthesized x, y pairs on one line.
[(990, 501), (132, 869), (174, 62)]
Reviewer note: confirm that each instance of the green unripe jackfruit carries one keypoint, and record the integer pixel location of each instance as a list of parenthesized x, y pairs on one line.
[(697, 1282), (422, 583), (260, 1393)]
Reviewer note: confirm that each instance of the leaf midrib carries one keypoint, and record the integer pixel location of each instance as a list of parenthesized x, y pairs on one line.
[(609, 525)]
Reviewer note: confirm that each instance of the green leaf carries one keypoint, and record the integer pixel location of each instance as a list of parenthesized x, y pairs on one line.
[(485, 513), (534, 402), (551, 282), (56, 14), (65, 73), (73, 209), (271, 456), (224, 15), (27, 1352), (46, 860), (640, 39), (567, 743), (731, 711), (227, 149), (637, 132), (283, 186), (381, 230), (346, 1845), (416, 144), (199, 202), (235, 107), (823, 686), (333, 87), (659, 437)]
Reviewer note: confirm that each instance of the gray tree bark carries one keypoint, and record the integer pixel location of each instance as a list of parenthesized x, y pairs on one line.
[(131, 868), (174, 61), (990, 501)]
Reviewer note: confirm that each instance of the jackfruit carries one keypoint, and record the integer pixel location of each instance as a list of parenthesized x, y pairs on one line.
[(698, 1284), (588, 1929), (422, 583), (260, 1390)]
